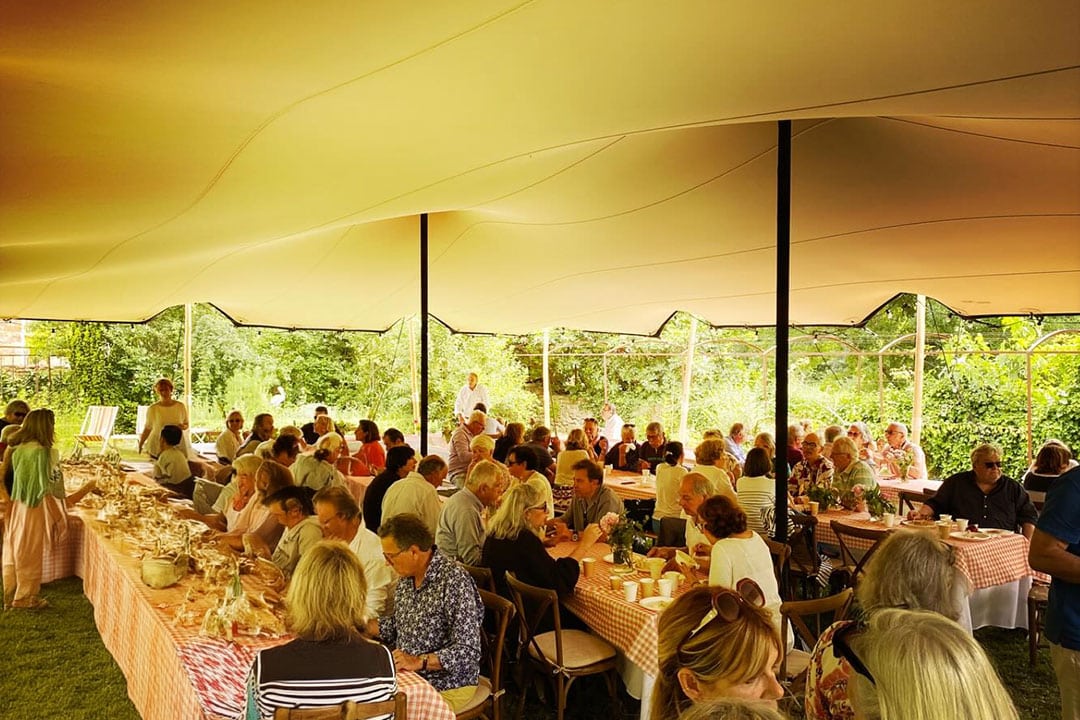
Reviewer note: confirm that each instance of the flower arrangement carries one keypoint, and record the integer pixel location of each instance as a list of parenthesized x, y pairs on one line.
[(903, 458), (620, 532), (870, 500), (823, 495)]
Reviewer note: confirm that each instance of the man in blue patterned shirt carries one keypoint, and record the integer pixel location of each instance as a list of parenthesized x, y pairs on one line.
[(435, 627)]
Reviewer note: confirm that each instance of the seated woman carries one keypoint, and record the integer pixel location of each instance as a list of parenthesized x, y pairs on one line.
[(483, 448), (330, 661), (910, 570), (715, 642), (860, 434), (1053, 459), (228, 443), (233, 498), (757, 491), (710, 459), (765, 441), (848, 469), (624, 455), (738, 552), (669, 475), (255, 517), (514, 544), (514, 436), (400, 461), (371, 452), (318, 470), (918, 664), (576, 449)]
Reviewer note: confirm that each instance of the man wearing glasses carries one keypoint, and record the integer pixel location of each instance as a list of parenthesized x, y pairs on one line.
[(984, 496), (899, 455), (14, 413)]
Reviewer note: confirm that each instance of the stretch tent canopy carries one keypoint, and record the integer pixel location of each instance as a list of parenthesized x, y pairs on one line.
[(595, 165)]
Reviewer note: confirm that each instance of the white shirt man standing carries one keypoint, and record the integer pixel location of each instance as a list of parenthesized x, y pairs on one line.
[(469, 395), (613, 425)]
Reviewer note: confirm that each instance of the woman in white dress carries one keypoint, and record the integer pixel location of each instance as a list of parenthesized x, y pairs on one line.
[(166, 411)]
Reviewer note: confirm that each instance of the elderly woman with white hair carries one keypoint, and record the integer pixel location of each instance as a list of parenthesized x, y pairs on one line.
[(483, 448), (317, 470)]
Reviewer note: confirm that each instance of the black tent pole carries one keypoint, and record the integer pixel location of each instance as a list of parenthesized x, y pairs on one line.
[(423, 333), (783, 290)]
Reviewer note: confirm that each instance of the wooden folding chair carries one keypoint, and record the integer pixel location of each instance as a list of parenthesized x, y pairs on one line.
[(349, 710), (780, 553), (910, 500), (805, 561), (481, 576), (808, 619), (498, 612), (853, 558), (97, 426), (563, 655)]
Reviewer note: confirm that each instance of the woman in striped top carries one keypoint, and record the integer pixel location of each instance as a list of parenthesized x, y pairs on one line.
[(329, 662)]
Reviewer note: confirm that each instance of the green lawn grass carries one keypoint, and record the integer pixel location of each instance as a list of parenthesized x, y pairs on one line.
[(54, 664)]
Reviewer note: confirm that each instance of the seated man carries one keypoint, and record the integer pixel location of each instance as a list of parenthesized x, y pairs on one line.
[(651, 454), (734, 440), (171, 468), (598, 444), (540, 442), (460, 453), (417, 493), (340, 518), (435, 626), (693, 491), (900, 453), (814, 470), (624, 454), (262, 429), (983, 496), (592, 500), (522, 464), (460, 534)]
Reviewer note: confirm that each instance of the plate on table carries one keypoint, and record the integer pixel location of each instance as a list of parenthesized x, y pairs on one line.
[(977, 536), (638, 559), (997, 532), (919, 523), (659, 604)]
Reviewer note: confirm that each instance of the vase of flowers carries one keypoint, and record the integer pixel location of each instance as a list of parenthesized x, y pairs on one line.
[(620, 532), (861, 499), (823, 495)]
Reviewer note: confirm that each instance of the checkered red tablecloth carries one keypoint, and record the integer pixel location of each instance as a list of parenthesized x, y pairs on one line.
[(628, 626), (172, 671), (891, 488), (986, 563)]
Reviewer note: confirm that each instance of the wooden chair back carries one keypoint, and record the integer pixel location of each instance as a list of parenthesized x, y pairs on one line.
[(908, 500), (533, 605), (809, 618), (397, 707), (849, 559), (499, 612), (482, 577), (780, 553)]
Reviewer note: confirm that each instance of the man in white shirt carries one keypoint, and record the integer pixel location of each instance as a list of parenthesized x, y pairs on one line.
[(339, 516), (469, 395), (417, 493), (613, 425), (899, 454)]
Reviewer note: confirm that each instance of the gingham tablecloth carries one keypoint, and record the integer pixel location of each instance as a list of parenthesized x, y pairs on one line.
[(628, 626), (891, 488), (986, 563), (172, 672)]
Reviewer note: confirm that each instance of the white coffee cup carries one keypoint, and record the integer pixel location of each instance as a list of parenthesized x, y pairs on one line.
[(889, 519), (675, 577), (961, 524), (607, 471), (630, 590), (666, 586), (945, 518)]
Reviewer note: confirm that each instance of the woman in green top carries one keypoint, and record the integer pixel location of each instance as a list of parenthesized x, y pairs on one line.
[(36, 467)]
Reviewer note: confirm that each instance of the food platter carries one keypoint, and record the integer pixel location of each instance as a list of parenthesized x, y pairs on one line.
[(922, 524), (973, 536), (658, 604)]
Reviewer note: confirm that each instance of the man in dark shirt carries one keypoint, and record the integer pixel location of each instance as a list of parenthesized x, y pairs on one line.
[(984, 496), (541, 444), (651, 454), (624, 455)]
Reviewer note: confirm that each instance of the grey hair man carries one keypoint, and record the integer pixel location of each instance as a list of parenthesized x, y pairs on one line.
[(417, 493), (899, 455), (460, 446), (460, 532)]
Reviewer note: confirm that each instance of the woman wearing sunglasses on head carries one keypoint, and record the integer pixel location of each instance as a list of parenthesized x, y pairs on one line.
[(918, 665), (716, 642), (911, 570)]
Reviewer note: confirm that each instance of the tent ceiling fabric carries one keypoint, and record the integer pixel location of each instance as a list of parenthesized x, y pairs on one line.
[(592, 165)]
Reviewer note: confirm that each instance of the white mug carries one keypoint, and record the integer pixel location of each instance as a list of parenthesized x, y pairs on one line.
[(889, 518), (630, 590)]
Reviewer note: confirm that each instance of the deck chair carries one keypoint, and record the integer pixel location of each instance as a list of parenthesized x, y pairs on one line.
[(348, 710), (97, 427), (140, 423), (853, 558)]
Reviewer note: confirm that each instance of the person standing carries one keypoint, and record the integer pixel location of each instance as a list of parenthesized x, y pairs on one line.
[(1055, 550), (471, 393), (613, 425), (166, 411)]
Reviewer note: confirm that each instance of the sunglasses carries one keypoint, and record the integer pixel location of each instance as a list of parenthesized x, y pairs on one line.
[(854, 434), (991, 465), (842, 648), (729, 604), (19, 414), (589, 420)]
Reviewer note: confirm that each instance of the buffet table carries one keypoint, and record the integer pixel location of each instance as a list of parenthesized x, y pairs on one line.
[(172, 670)]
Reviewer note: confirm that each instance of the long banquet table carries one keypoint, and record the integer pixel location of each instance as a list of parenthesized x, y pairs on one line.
[(172, 671), (997, 568)]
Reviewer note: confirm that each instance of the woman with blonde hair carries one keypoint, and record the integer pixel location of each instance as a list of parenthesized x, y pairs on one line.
[(318, 470), (330, 661), (716, 642), (514, 544), (731, 709), (166, 411), (918, 665), (912, 570), (228, 443), (576, 448), (711, 460), (35, 466)]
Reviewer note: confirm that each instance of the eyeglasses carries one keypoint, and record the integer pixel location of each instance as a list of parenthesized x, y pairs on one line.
[(842, 649), (728, 604), (809, 444), (390, 556), (537, 507), (892, 432), (990, 465)]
